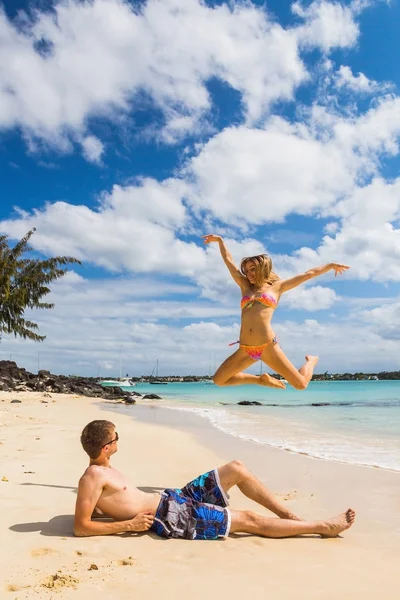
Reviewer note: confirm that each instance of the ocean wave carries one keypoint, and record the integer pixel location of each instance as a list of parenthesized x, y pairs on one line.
[(335, 447)]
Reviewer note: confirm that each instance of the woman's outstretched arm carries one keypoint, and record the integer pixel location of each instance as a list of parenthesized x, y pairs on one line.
[(288, 284), (238, 277)]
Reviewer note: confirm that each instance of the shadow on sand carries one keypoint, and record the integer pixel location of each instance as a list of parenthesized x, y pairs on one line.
[(63, 526)]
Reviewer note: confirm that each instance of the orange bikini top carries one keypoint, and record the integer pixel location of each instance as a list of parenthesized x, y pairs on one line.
[(265, 299)]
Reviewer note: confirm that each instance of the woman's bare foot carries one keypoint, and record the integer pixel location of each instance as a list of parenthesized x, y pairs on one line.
[(312, 359), (334, 526), (269, 381)]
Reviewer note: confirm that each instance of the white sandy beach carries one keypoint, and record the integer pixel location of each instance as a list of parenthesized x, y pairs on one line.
[(42, 460)]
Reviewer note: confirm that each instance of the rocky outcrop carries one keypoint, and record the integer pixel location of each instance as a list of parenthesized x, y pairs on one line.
[(250, 403), (14, 378)]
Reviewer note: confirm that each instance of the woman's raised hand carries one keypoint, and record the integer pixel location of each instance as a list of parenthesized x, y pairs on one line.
[(339, 269), (211, 238)]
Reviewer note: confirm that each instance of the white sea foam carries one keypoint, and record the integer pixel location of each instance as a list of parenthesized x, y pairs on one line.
[(301, 437)]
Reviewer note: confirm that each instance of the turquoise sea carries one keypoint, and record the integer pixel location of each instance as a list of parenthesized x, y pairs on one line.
[(348, 421)]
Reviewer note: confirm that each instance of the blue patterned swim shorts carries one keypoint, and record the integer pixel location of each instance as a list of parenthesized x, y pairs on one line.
[(197, 511)]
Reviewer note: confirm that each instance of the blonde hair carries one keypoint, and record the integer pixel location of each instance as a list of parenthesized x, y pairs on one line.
[(264, 271)]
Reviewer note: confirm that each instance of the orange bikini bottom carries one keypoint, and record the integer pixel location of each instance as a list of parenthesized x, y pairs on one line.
[(255, 352)]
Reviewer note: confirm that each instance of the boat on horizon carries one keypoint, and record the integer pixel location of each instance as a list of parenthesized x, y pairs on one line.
[(123, 381), (155, 380)]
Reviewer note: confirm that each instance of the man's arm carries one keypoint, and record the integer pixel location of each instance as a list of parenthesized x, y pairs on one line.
[(89, 492), (288, 284)]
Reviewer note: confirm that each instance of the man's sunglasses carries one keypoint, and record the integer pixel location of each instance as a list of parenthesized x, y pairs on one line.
[(112, 441)]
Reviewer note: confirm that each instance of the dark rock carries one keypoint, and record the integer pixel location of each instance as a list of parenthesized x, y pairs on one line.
[(152, 397), (31, 384), (16, 401), (14, 378), (57, 387), (20, 387), (43, 373), (131, 400), (250, 403)]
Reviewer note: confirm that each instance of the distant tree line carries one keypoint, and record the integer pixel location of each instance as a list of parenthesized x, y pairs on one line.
[(316, 377), (356, 376)]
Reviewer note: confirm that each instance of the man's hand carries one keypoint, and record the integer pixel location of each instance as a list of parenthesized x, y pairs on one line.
[(211, 238), (142, 522)]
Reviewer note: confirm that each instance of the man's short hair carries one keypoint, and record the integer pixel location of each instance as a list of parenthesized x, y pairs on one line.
[(95, 435)]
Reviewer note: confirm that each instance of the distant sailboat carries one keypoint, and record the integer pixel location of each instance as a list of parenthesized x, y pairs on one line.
[(155, 380), (123, 382)]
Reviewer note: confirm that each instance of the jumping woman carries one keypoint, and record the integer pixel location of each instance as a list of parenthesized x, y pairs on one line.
[(261, 290)]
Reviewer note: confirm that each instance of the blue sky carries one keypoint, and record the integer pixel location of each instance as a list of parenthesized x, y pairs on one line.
[(128, 130)]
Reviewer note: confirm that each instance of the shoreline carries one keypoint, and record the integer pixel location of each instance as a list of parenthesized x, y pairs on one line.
[(305, 468), (184, 422), (42, 461), (313, 448)]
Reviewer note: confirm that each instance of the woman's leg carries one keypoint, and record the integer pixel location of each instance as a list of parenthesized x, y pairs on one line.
[(230, 372), (275, 358), (246, 521)]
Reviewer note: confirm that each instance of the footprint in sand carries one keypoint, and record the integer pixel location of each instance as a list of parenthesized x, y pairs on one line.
[(289, 496), (14, 587), (59, 581), (125, 562), (43, 551)]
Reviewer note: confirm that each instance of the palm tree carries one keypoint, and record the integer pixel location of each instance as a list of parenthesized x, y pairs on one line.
[(23, 283)]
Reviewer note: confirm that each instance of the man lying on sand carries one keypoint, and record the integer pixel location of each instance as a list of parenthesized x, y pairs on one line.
[(197, 511)]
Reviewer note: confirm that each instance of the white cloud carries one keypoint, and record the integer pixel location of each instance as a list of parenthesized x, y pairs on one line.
[(375, 132), (327, 25), (100, 59), (134, 228), (245, 175), (92, 148), (310, 298), (92, 58), (91, 341), (82, 59), (356, 83), (385, 320), (367, 237)]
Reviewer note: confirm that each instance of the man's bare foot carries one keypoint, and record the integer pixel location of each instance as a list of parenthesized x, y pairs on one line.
[(311, 358), (269, 381), (334, 526)]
